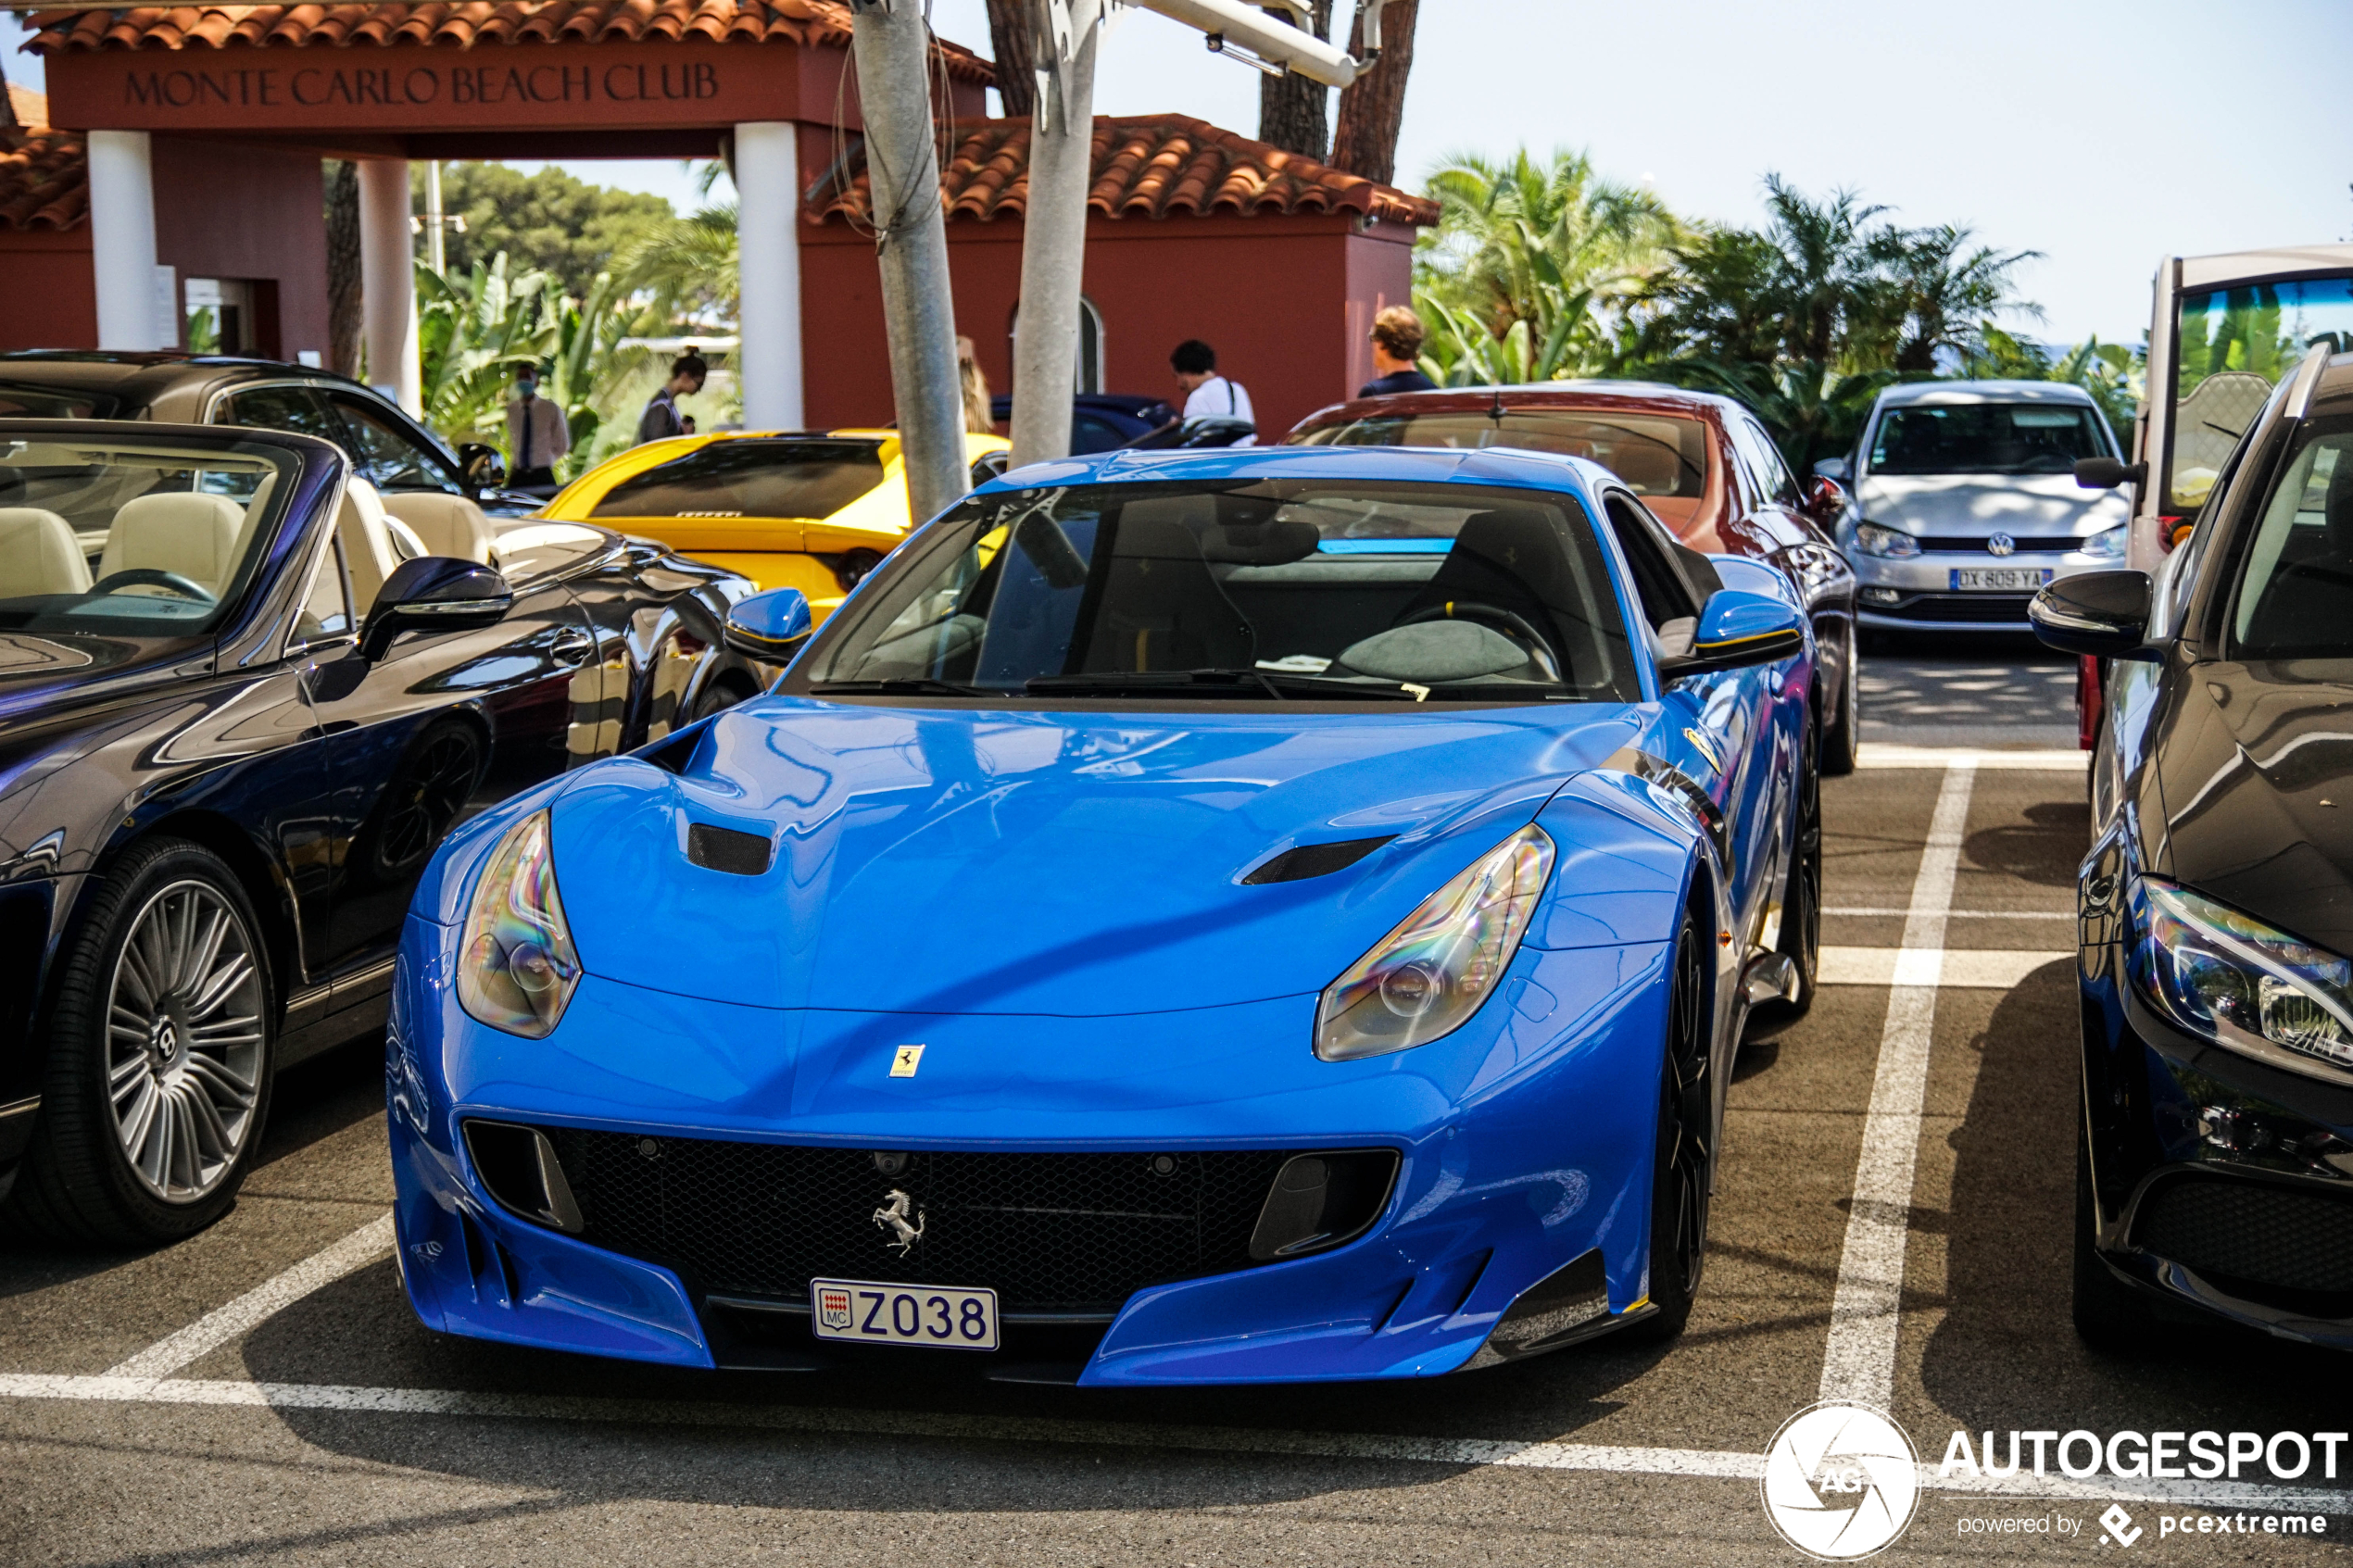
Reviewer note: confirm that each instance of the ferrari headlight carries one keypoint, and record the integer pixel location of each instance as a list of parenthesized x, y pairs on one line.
[(1874, 540), (2237, 980), (1426, 978), (516, 966)]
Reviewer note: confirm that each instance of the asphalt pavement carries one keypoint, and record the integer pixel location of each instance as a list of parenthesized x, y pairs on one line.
[(1892, 1225)]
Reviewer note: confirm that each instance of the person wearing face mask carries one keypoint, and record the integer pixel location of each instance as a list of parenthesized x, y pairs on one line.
[(538, 436)]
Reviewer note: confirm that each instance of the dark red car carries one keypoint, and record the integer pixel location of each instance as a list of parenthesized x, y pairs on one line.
[(1703, 464)]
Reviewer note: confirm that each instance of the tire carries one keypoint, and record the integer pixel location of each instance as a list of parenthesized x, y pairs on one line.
[(430, 791), (162, 1034), (2109, 1315), (1842, 738), (1801, 934), (1683, 1157)]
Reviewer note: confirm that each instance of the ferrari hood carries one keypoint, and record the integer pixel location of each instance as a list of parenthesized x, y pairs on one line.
[(2257, 773), (1083, 865), (1978, 506)]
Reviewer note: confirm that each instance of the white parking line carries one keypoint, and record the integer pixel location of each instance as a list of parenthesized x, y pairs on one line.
[(1470, 1451), (1885, 754), (1952, 914), (257, 1306), (1858, 1362), (1979, 968)]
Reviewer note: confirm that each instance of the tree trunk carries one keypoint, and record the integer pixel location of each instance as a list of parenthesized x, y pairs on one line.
[(1370, 112), (343, 268), (1009, 26), (1292, 108)]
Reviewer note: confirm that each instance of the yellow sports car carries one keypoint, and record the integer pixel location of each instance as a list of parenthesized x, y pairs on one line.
[(811, 510)]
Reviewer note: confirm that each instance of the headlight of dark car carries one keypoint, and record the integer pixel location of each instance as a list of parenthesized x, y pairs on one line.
[(2108, 543), (1426, 978), (1874, 540), (516, 964), (2240, 983)]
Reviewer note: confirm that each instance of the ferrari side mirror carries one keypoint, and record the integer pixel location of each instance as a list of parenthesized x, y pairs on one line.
[(770, 627), (1735, 628)]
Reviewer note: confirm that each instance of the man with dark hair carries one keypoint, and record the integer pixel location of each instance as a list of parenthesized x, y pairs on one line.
[(1397, 344), (1208, 395), (538, 435), (659, 421)]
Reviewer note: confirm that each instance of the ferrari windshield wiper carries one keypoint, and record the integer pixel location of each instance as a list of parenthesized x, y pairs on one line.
[(1275, 683), (896, 686)]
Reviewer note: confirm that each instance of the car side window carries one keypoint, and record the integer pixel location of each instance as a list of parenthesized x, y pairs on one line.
[(387, 456), (296, 409), (1665, 593), (326, 609), (1774, 484)]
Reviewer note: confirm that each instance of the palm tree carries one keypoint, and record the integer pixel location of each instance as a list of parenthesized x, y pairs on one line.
[(1532, 265), (686, 265), (472, 332), (1943, 290)]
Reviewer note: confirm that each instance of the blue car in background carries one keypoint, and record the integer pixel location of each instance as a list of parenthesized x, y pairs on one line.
[(1189, 917)]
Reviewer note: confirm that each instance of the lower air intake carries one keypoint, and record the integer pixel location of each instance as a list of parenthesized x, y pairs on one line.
[(2253, 1238)]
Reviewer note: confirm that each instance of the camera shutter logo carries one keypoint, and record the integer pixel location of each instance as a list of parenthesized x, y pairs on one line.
[(1842, 1481)]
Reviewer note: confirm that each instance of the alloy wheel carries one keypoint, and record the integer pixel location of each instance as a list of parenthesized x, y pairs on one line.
[(1684, 1121), (185, 1040)]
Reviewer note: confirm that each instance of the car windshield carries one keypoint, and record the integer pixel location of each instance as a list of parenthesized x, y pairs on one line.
[(2234, 345), (1268, 590), (2294, 596), (750, 478), (1655, 454), (20, 400), (131, 538), (1985, 438)]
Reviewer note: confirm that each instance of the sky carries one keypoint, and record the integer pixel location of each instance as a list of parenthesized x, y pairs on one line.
[(2105, 134)]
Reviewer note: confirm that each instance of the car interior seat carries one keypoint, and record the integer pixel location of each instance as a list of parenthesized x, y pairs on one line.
[(183, 531), (1650, 467), (1161, 608), (2306, 607), (1511, 558), (40, 555), (368, 551), (445, 524)]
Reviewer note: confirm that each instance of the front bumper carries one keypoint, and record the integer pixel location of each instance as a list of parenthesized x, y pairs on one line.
[(2222, 1185), (1508, 1176), (1915, 593)]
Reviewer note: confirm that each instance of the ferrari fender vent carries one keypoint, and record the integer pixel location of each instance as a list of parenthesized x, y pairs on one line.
[(1049, 1233), (2282, 1246), (726, 850), (1313, 859)]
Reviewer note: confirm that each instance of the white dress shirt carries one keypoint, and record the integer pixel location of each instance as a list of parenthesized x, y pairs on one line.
[(1218, 398)]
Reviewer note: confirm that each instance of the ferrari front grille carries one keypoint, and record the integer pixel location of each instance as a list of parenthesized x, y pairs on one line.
[(1048, 1233)]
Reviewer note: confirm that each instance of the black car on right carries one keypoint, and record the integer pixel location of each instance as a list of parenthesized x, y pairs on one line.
[(2214, 1173)]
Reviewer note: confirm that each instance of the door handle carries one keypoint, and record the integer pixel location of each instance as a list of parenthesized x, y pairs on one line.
[(572, 647)]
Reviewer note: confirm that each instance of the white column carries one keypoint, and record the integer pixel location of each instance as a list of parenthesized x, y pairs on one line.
[(388, 282), (768, 273), (122, 242)]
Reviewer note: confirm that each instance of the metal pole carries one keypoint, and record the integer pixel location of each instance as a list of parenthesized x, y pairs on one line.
[(437, 252), (1053, 246), (892, 43)]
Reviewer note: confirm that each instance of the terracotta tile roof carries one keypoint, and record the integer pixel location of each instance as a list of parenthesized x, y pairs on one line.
[(464, 25), (1145, 168), (45, 180), (30, 108)]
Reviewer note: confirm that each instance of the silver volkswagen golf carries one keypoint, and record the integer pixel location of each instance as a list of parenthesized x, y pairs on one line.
[(1966, 502)]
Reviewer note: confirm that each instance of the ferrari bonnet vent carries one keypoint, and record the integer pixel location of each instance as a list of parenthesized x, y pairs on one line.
[(1313, 860), (724, 849)]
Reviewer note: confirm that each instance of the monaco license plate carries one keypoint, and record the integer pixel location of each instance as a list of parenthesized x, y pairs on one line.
[(941, 1316), (2000, 579)]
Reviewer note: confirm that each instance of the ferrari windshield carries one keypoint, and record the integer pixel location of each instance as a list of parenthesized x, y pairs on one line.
[(1268, 590), (1985, 438), (750, 478), (1655, 454), (137, 538)]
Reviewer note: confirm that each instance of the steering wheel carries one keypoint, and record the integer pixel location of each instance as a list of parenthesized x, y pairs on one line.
[(1511, 623), (151, 577)]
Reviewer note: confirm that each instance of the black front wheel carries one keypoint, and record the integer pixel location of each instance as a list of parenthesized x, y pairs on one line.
[(161, 1040), (1843, 727), (1684, 1159), (1800, 939)]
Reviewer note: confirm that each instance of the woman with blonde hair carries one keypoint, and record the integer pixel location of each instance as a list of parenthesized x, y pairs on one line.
[(979, 419)]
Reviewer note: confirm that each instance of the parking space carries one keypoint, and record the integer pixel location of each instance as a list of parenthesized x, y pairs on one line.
[(1892, 1222)]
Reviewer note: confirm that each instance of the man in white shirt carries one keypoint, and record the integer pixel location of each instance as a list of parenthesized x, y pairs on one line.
[(1209, 395), (538, 436)]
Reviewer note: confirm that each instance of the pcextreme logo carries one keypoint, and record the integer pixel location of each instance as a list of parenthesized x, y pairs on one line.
[(1842, 1481)]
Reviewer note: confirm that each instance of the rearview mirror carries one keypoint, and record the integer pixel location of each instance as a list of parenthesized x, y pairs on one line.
[(770, 627), (1824, 499), (1837, 469), (2102, 613), (481, 466), (2106, 473), (434, 594), (1735, 628)]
